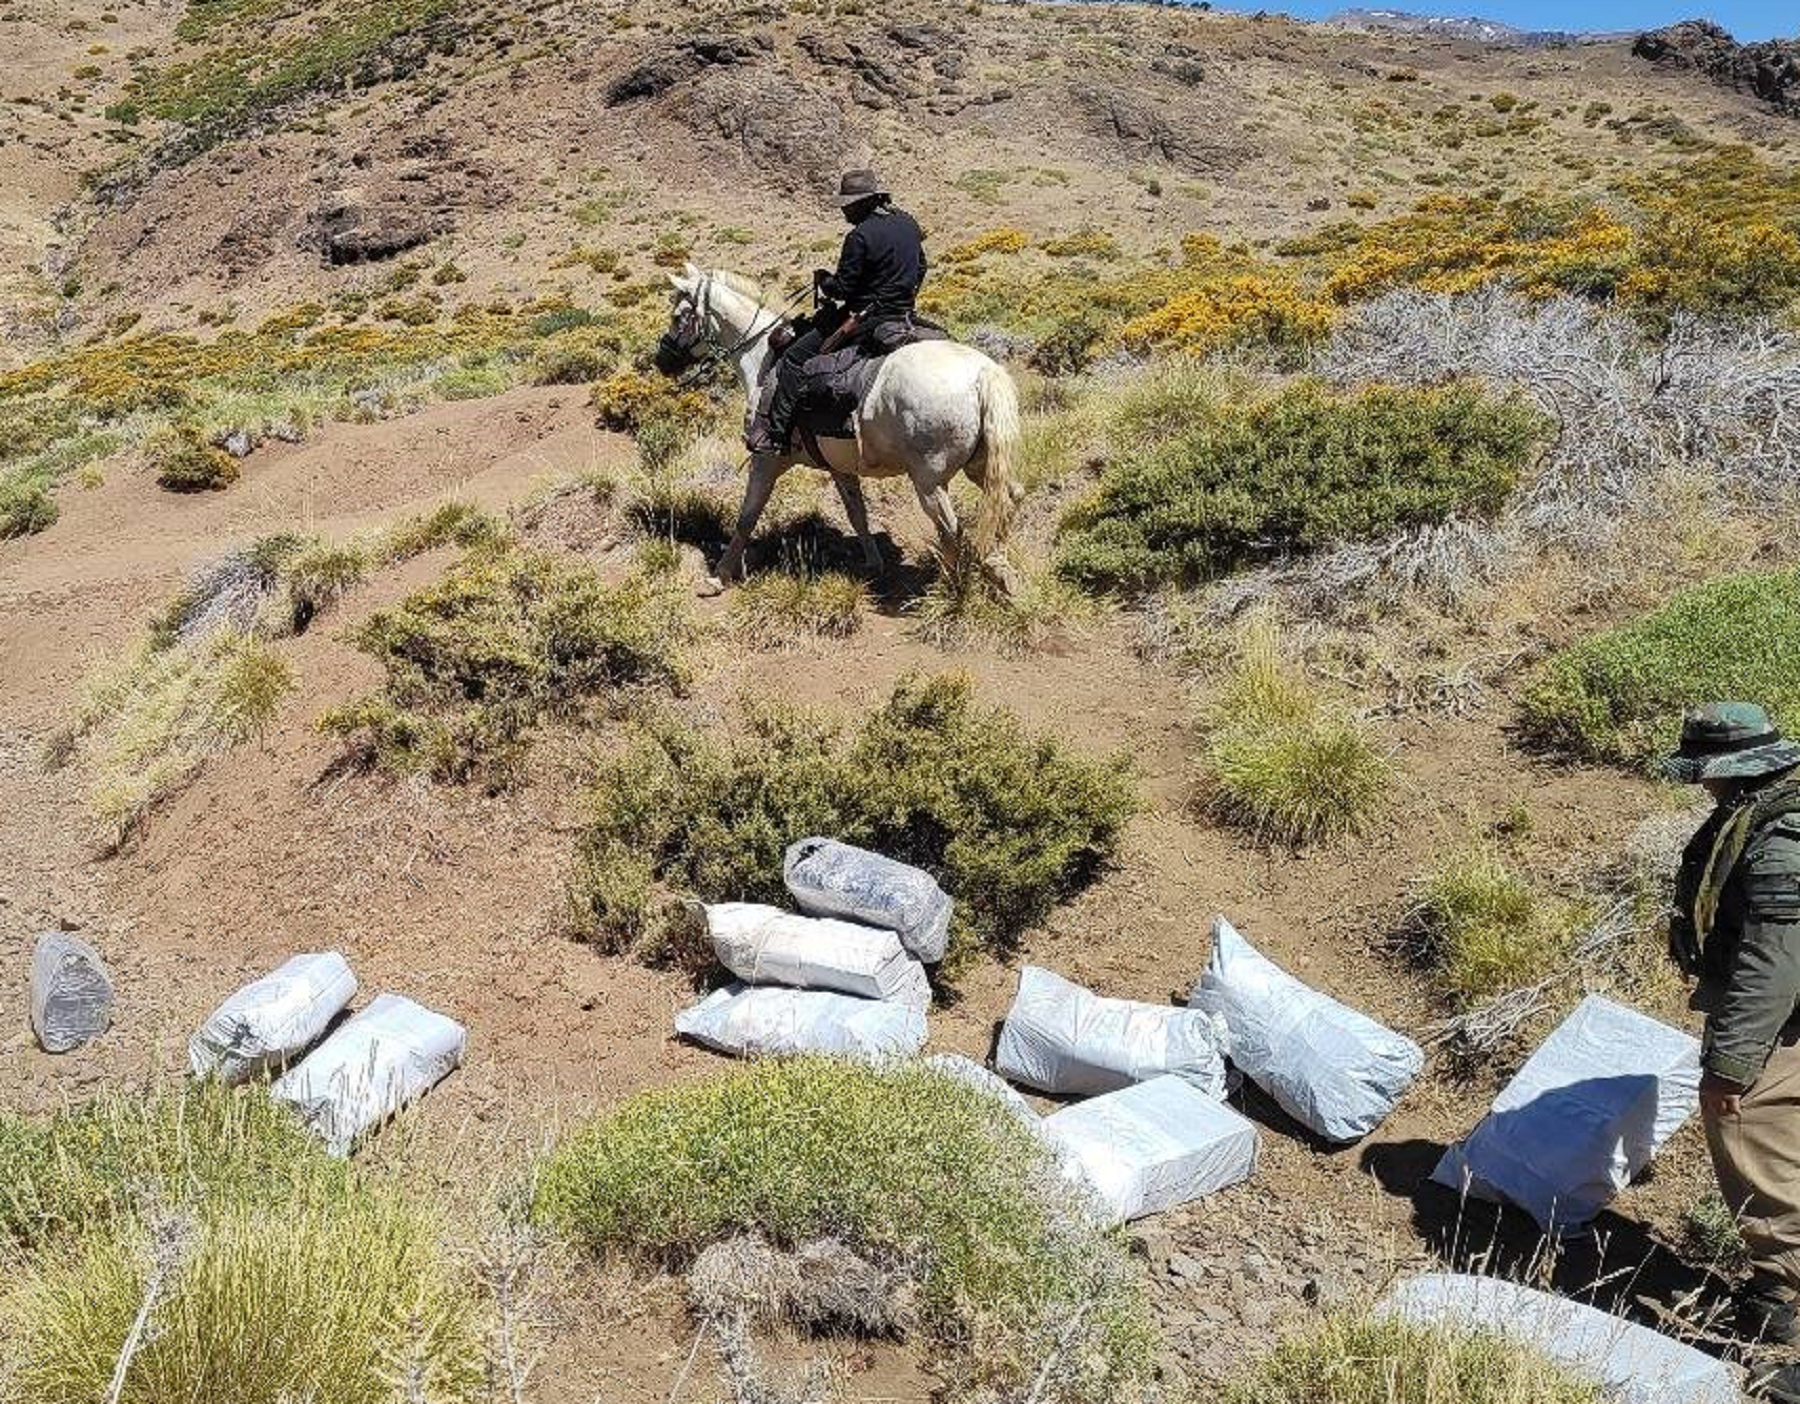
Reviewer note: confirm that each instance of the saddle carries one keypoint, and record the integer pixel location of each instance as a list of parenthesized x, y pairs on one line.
[(834, 382)]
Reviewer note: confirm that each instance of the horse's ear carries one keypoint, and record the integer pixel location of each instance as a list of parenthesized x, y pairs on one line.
[(679, 283), (693, 272)]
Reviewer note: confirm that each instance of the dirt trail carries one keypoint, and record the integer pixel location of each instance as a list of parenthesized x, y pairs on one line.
[(452, 897)]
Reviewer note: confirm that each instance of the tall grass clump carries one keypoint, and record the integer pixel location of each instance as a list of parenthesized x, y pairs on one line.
[(149, 722), (909, 1168), (1619, 696), (1368, 1359), (98, 1162), (961, 606), (1281, 761), (255, 1266), (1226, 484), (506, 639), (1487, 930), (450, 523), (781, 606), (1011, 822)]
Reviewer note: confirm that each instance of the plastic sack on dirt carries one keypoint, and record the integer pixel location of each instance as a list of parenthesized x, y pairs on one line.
[(272, 1021), (1152, 1146), (1335, 1071), (1060, 1037), (752, 1021), (385, 1058), (1632, 1363), (767, 946), (835, 879), (71, 992), (967, 1070), (1588, 1111)]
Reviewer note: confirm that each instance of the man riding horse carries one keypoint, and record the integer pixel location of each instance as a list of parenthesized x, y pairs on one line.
[(868, 299)]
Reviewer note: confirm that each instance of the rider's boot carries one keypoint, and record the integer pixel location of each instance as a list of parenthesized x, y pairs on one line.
[(759, 435), (773, 426)]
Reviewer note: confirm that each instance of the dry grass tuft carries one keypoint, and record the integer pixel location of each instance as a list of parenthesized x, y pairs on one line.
[(1488, 930), (781, 607)]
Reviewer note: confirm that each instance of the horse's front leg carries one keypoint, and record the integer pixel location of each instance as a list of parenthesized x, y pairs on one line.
[(856, 508), (764, 470)]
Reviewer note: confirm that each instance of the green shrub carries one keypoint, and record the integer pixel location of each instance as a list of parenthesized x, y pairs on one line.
[(907, 1167), (26, 505), (318, 576), (1385, 1360), (1710, 1234), (472, 382), (103, 1161), (506, 638), (184, 461), (570, 363), (1619, 696), (1010, 822), (1488, 930), (1299, 470), (1281, 762)]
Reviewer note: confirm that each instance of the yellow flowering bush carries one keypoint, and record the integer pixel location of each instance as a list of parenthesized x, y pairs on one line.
[(1235, 310), (1004, 240)]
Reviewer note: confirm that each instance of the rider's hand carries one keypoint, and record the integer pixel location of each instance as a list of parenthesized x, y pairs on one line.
[(1720, 1097), (821, 276)]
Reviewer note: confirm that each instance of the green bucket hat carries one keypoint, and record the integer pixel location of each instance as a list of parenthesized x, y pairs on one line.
[(1729, 741)]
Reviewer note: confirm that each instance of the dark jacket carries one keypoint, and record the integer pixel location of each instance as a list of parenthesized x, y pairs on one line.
[(1750, 964), (882, 265)]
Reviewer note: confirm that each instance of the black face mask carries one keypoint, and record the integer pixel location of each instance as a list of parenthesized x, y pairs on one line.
[(861, 210), (671, 356)]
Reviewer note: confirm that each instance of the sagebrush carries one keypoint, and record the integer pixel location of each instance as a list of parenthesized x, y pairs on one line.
[(1011, 822)]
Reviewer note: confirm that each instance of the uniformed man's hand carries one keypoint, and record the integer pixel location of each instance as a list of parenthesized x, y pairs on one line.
[(1720, 1097)]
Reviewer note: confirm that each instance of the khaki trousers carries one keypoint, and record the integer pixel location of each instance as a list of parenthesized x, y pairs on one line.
[(1756, 1155)]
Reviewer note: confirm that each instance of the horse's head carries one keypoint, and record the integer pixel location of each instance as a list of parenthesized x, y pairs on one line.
[(690, 318)]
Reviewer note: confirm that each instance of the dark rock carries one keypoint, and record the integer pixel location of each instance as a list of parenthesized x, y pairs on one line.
[(1143, 126), (1769, 70), (681, 62), (359, 225)]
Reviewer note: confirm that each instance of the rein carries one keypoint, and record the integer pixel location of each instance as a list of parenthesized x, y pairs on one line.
[(717, 350)]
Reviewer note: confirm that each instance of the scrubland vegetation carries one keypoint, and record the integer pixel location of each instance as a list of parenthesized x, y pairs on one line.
[(1013, 822), (906, 1166)]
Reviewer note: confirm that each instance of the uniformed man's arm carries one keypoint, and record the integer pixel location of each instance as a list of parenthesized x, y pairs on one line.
[(1762, 987), (845, 285)]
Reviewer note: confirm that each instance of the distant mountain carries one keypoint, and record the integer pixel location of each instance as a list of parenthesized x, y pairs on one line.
[(1473, 28)]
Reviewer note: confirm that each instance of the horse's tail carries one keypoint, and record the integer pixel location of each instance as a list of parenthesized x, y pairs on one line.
[(1001, 492)]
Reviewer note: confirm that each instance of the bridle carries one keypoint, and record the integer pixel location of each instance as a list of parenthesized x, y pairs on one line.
[(684, 343)]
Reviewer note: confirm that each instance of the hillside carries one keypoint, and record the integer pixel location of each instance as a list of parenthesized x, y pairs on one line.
[(348, 562)]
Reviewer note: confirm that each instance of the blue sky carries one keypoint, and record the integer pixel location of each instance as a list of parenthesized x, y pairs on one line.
[(1748, 19)]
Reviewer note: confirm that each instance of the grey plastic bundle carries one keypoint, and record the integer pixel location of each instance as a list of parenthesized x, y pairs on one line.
[(1152, 1146), (1632, 1364), (835, 879), (1062, 1038), (1334, 1070), (1586, 1113), (768, 1021), (767, 946), (270, 1022), (384, 1059), (71, 992)]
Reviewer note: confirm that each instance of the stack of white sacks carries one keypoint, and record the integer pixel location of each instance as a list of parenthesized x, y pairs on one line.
[(844, 976), (1155, 1132), (366, 1070)]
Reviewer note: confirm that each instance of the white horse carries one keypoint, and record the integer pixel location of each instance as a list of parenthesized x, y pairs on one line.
[(934, 409)]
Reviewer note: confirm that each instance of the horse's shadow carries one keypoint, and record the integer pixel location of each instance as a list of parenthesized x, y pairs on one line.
[(809, 543)]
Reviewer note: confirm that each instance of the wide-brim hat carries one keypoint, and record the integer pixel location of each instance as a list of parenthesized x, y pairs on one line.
[(1729, 741), (857, 186)]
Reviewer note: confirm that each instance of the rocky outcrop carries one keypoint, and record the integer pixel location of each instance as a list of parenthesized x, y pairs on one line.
[(1769, 70), (1145, 126), (679, 63)]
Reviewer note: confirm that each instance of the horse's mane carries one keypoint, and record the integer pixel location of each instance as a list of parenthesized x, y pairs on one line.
[(738, 283)]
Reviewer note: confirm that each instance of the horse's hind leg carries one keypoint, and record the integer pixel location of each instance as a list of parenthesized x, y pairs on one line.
[(938, 506), (856, 508)]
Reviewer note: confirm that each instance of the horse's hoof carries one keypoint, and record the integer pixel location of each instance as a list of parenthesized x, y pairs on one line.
[(710, 587)]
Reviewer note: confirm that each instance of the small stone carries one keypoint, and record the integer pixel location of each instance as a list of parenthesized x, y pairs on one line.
[(1154, 1245), (1258, 1315), (1186, 1267)]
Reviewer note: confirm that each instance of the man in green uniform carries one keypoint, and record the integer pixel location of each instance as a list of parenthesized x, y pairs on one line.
[(1736, 926)]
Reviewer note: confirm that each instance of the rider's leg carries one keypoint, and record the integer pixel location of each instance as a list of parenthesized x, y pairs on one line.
[(770, 428)]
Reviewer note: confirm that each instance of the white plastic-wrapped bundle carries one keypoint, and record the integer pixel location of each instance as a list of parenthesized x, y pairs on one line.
[(753, 1021), (71, 992), (967, 1070), (767, 946), (388, 1056), (1152, 1146), (1335, 1071), (1060, 1037), (835, 879), (1631, 1363), (1588, 1111), (270, 1022)]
